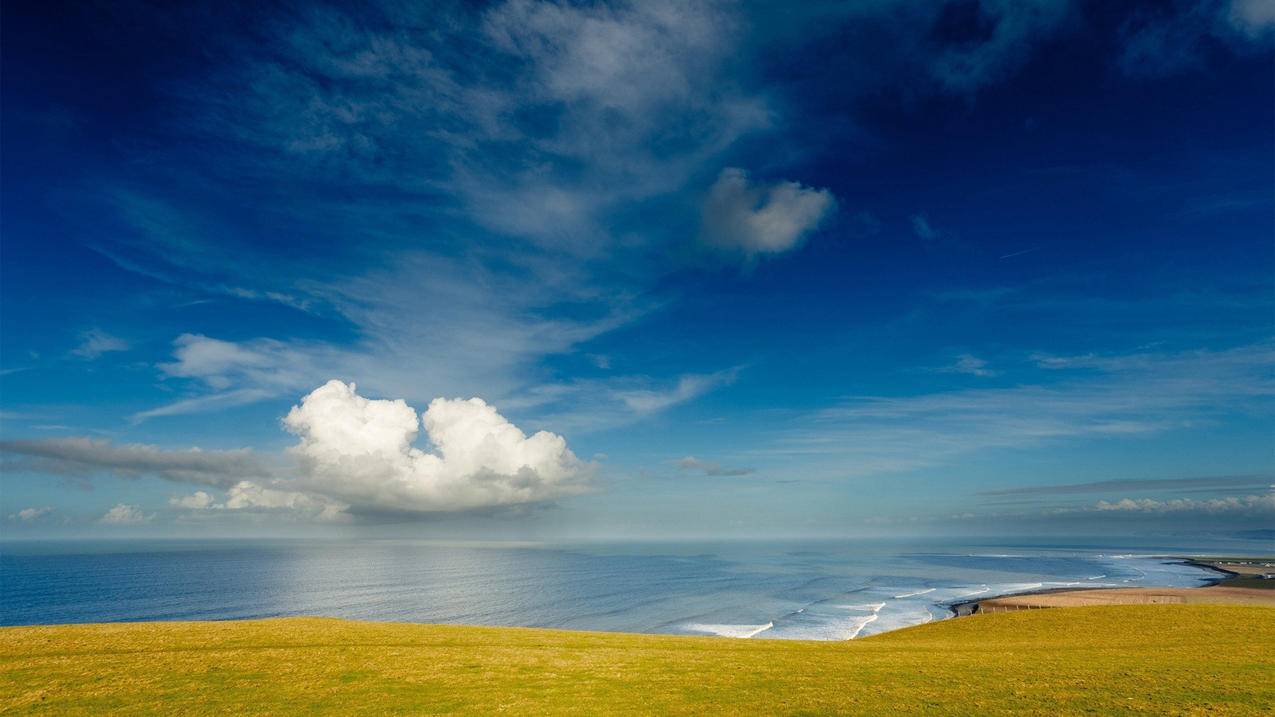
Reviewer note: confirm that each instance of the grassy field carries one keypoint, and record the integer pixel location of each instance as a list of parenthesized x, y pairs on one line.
[(1161, 660)]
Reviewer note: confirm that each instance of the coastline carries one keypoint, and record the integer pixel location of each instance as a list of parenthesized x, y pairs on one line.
[(1229, 586)]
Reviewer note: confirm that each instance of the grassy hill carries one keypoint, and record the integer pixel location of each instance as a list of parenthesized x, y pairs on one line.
[(1174, 659)]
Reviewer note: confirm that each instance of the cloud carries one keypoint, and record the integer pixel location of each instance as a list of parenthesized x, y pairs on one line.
[(360, 452), (978, 43), (124, 514), (537, 117), (85, 456), (241, 373), (590, 405), (1260, 505), (968, 364), (689, 386), (1252, 17), (709, 468), (210, 402), (95, 342), (485, 158), (27, 515), (1163, 40), (247, 495), (198, 500), (486, 341), (1137, 484), (922, 228), (1118, 396), (754, 219), (253, 497), (263, 363), (354, 455)]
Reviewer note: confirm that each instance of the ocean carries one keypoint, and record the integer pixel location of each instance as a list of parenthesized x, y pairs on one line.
[(822, 590)]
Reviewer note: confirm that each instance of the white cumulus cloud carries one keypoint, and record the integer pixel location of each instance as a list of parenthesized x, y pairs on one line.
[(195, 501), (124, 514), (30, 514), (753, 219), (247, 495), (359, 451), (253, 497)]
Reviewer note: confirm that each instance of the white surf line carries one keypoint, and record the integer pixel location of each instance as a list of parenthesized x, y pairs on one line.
[(976, 592), (918, 592), (742, 632), (1098, 577), (862, 625), (873, 606), (876, 610)]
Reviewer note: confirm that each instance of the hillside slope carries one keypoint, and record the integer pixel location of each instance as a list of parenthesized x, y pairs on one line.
[(1173, 659)]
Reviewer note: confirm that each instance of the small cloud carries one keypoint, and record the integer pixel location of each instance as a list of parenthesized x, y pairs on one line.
[(690, 386), (923, 229), (27, 515), (968, 364), (199, 500), (95, 342), (124, 514), (755, 219), (709, 468)]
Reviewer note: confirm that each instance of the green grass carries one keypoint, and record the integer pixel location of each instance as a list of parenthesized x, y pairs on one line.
[(1147, 659)]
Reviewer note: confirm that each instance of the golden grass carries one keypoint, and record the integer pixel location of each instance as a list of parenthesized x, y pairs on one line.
[(1153, 659)]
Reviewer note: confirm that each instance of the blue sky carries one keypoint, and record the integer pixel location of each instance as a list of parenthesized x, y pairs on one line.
[(835, 269)]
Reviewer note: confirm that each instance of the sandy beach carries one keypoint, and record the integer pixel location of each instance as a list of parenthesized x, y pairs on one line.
[(1239, 583)]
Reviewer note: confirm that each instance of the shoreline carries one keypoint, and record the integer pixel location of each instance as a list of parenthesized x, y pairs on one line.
[(1126, 595)]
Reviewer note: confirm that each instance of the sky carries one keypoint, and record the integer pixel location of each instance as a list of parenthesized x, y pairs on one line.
[(535, 270)]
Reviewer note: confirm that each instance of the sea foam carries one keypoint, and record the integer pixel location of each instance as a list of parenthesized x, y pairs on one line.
[(738, 631)]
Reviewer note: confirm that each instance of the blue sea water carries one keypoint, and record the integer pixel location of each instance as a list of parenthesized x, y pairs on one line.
[(810, 590)]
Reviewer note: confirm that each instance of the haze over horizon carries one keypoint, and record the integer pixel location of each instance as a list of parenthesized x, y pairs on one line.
[(539, 270)]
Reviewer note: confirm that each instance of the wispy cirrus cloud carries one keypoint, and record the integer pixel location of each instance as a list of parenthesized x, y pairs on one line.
[(95, 342), (1225, 482), (1164, 39), (1130, 395), (86, 456), (549, 127), (968, 364), (710, 468)]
